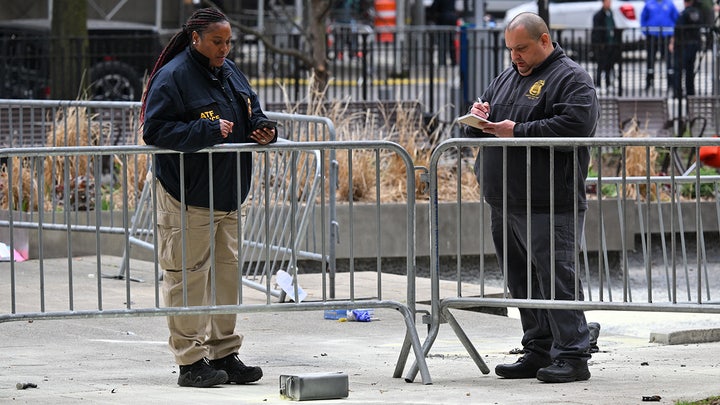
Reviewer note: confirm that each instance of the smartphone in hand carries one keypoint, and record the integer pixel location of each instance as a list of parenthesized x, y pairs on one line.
[(266, 124)]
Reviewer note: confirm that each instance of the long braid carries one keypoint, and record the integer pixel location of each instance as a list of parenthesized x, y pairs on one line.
[(198, 22)]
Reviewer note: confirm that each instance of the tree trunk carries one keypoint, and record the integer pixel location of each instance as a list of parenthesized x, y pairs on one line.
[(317, 34), (69, 49)]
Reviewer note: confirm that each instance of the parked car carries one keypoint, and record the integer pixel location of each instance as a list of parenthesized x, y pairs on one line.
[(495, 8), (498, 8), (120, 54), (572, 21)]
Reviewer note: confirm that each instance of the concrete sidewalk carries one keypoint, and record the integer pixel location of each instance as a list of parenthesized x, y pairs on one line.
[(126, 360)]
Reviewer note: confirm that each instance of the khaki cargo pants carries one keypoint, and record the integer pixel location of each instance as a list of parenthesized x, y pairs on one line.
[(193, 337)]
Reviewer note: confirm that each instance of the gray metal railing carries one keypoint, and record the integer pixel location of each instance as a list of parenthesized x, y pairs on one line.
[(351, 293), (668, 218), (662, 211)]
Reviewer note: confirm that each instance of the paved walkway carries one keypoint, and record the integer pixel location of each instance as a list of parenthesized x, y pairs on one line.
[(126, 360)]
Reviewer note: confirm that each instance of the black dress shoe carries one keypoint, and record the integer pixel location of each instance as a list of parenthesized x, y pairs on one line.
[(525, 367), (561, 371)]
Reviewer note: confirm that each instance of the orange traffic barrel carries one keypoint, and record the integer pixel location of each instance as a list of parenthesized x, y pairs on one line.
[(385, 17)]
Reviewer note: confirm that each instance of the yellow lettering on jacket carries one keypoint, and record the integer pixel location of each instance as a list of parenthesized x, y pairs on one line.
[(210, 115)]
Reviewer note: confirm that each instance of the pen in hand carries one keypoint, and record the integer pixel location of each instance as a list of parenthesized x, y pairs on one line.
[(480, 101)]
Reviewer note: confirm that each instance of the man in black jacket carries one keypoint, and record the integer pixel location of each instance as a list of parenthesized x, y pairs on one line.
[(543, 95), (606, 42), (443, 13), (684, 46)]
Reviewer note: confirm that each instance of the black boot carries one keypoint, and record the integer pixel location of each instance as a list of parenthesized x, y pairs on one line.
[(201, 375), (561, 371), (526, 366), (236, 370)]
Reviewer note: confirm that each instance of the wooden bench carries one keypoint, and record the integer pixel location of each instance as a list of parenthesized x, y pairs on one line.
[(616, 113), (651, 113)]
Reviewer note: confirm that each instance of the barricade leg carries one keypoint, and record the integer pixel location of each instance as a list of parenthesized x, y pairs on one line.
[(140, 218), (411, 337), (402, 358), (429, 340), (432, 335), (460, 333)]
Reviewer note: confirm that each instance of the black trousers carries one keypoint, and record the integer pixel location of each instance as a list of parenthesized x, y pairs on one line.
[(658, 44), (685, 56), (547, 333), (606, 56)]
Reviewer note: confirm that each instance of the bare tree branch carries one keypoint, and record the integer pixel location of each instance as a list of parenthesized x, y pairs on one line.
[(312, 30)]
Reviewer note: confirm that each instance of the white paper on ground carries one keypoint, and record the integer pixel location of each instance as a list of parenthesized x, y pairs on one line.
[(5, 254), (285, 281)]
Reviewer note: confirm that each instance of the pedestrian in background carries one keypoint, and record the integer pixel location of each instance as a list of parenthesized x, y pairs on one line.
[(346, 28), (544, 94), (606, 40), (443, 13), (196, 98), (657, 20), (684, 46), (707, 9)]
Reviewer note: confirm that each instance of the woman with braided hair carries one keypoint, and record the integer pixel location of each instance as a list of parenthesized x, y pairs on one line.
[(196, 98)]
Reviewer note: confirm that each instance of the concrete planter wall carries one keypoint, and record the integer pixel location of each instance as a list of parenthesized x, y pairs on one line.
[(358, 236), (393, 217), (57, 243)]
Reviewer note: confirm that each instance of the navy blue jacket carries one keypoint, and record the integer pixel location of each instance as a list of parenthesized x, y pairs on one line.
[(556, 100), (183, 109)]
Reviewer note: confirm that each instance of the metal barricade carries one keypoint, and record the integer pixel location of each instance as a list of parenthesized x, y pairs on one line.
[(660, 211), (298, 127), (277, 238), (72, 295), (58, 123), (53, 123)]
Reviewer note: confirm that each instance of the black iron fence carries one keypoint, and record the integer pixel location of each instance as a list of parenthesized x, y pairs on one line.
[(442, 69), (445, 69)]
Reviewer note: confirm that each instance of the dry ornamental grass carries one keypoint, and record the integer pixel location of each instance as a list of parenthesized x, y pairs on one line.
[(75, 128), (637, 164), (22, 190), (408, 132), (72, 127)]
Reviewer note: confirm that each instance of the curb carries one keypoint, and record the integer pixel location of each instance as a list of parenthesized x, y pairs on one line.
[(686, 336)]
